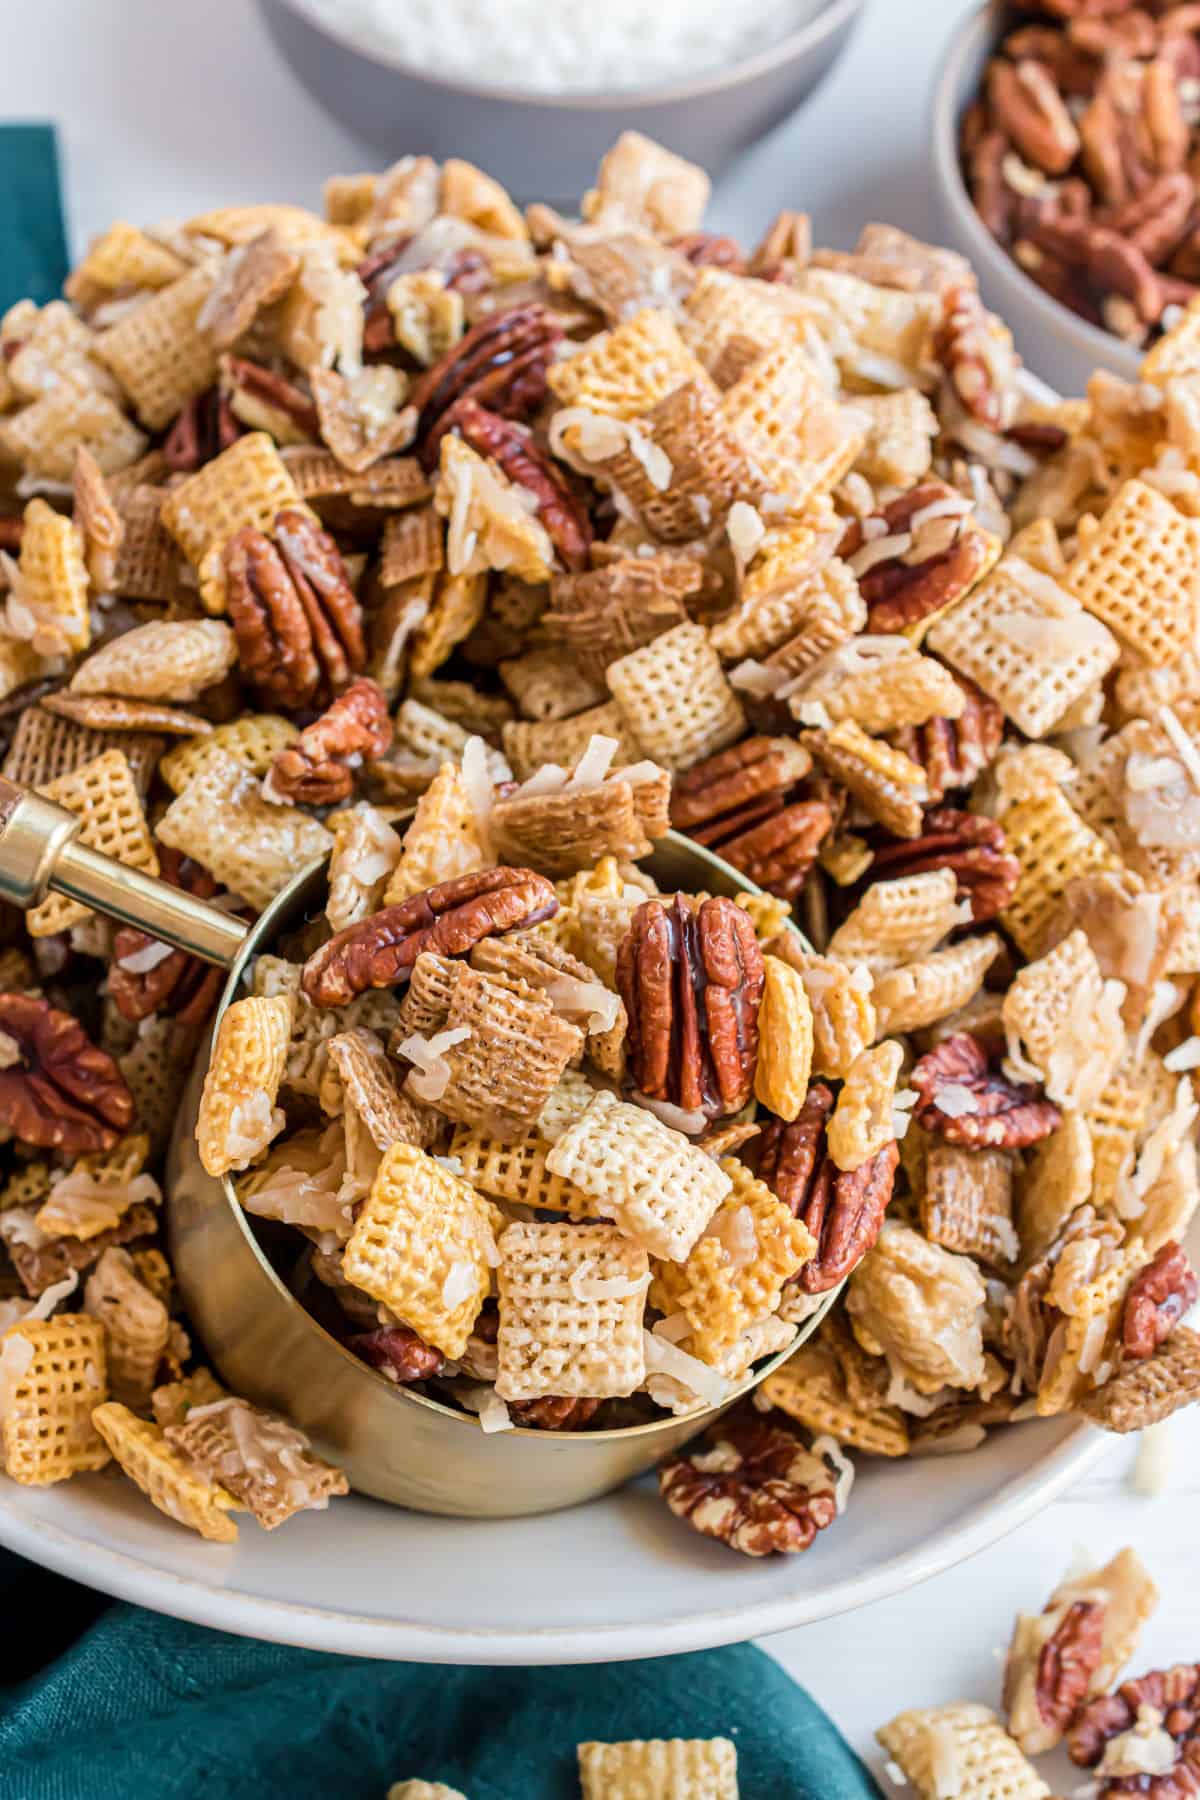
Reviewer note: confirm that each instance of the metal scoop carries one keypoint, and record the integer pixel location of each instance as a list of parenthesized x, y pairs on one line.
[(233, 1271)]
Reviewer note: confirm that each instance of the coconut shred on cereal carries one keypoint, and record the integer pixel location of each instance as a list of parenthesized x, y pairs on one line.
[(566, 49), (473, 550)]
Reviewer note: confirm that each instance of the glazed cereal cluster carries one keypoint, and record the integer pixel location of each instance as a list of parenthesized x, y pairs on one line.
[(1063, 1688), (475, 550)]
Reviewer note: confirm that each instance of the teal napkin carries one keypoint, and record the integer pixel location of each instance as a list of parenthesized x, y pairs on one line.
[(141, 1707), (33, 243)]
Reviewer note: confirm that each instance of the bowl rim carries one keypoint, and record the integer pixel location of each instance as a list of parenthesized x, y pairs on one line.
[(980, 27), (262, 934), (834, 15)]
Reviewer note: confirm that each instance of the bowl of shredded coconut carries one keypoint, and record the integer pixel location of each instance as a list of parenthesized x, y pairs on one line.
[(535, 91)]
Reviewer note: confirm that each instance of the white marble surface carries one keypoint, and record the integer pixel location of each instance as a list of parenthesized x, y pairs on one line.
[(165, 109)]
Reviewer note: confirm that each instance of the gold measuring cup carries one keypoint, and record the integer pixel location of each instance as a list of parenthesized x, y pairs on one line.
[(234, 1272)]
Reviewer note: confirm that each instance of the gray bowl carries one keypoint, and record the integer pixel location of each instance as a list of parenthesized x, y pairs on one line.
[(539, 146)]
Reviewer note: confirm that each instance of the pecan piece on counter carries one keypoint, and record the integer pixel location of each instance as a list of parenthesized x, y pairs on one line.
[(1157, 1300), (844, 1209), (298, 626), (970, 846), (982, 1107), (512, 447), (953, 752), (1174, 1694), (753, 1485), (316, 770), (176, 982), (448, 919), (398, 1353), (552, 1412), (1067, 1662), (501, 363), (58, 1090), (691, 983), (941, 558), (204, 428)]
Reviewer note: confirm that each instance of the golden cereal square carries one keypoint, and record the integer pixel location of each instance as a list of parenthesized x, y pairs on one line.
[(1139, 571), (659, 1769), (421, 1245), (104, 797), (54, 1373)]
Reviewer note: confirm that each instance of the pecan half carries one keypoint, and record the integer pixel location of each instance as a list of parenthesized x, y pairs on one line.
[(1003, 1113), (178, 983), (315, 770), (58, 1090), (1174, 1694), (953, 752), (968, 844), (844, 1209), (206, 426), (691, 983), (1157, 1300), (1028, 108), (298, 625), (945, 557), (398, 1352), (512, 447), (448, 919), (751, 1484), (1067, 1662), (552, 1412), (736, 803), (501, 363)]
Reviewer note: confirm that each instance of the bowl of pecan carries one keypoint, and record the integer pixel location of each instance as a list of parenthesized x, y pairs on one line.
[(495, 651), (1064, 145)]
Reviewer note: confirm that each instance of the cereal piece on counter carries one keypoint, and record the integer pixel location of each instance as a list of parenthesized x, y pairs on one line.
[(660, 1769), (53, 1374), (961, 1750)]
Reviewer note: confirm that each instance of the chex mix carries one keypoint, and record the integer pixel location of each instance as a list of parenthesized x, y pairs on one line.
[(476, 549)]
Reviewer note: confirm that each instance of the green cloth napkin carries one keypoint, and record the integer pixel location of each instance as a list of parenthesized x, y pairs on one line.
[(33, 243), (142, 1707)]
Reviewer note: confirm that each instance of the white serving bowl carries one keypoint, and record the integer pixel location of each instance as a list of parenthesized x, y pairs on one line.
[(543, 146), (1054, 341)]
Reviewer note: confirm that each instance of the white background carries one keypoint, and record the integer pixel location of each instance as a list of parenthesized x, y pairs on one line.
[(166, 107)]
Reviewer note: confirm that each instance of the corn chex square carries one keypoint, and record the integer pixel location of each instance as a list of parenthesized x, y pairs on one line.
[(517, 1172), (1139, 571), (624, 373), (719, 1291), (422, 1245), (799, 439), (968, 1739), (1027, 642), (658, 1187), (104, 797), (167, 1481), (54, 1373), (659, 1769), (251, 845), (248, 484), (572, 1301)]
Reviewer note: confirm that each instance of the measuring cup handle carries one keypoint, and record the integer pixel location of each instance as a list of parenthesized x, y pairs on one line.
[(40, 853)]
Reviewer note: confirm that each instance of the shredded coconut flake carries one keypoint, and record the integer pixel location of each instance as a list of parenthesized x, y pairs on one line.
[(1184, 1056), (957, 1101), (691, 1124), (832, 1451), (664, 1358), (432, 1076), (1155, 1460), (493, 1414), (594, 764), (586, 1286)]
